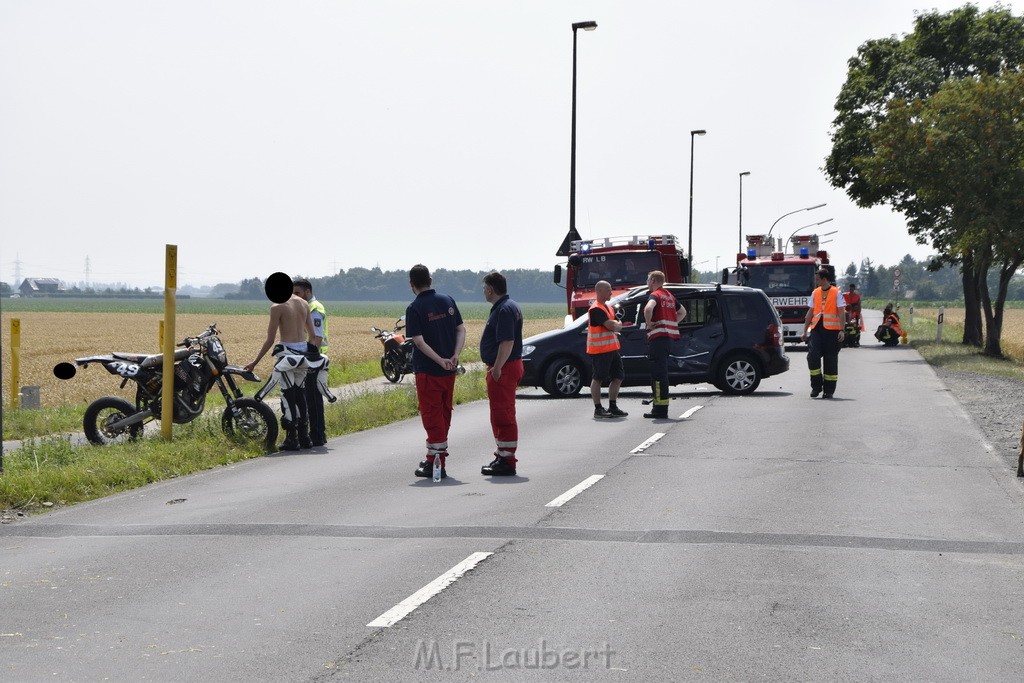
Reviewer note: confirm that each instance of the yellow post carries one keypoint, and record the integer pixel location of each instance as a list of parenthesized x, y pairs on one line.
[(170, 287), (161, 337), (15, 361)]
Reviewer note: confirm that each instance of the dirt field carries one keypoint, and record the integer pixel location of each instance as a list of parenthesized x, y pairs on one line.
[(51, 338)]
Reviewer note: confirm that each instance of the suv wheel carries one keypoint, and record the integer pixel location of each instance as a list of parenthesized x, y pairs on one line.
[(738, 376), (563, 378)]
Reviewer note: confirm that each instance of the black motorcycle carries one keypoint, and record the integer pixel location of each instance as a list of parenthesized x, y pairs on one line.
[(198, 366), (396, 360)]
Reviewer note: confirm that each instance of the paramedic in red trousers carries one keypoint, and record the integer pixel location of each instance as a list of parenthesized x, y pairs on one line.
[(501, 349), (662, 313), (434, 324), (603, 348), (825, 319)]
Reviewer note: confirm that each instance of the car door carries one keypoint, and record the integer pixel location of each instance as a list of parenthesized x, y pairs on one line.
[(633, 337), (701, 333)]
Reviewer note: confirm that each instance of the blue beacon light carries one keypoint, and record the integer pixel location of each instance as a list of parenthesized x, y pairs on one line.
[(751, 253), (804, 252)]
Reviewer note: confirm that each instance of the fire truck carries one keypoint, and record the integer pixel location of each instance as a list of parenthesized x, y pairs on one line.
[(622, 261), (786, 277)]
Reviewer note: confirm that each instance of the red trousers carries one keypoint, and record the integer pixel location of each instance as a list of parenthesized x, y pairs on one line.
[(434, 397), (501, 395)]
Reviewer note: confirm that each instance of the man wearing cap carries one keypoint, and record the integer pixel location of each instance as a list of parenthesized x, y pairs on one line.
[(824, 321)]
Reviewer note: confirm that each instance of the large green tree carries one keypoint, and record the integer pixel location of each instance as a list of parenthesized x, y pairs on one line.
[(961, 151), (961, 45)]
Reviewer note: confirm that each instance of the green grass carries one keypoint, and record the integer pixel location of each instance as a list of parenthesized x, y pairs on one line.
[(387, 311), (951, 354), (51, 470)]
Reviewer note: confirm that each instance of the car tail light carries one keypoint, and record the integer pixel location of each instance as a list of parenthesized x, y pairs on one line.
[(774, 335)]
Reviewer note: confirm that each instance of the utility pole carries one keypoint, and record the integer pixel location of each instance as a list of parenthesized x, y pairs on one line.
[(87, 270)]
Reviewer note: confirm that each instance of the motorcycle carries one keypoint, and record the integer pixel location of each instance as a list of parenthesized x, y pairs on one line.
[(396, 360), (200, 364)]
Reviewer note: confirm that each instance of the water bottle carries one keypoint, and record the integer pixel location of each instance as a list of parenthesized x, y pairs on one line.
[(437, 468)]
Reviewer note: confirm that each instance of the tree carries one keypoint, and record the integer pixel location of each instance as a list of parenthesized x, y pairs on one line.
[(963, 44), (961, 153)]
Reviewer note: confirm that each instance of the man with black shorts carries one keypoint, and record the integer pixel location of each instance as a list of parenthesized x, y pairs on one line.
[(603, 348)]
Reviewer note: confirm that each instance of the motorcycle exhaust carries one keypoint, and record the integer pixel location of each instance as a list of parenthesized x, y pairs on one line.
[(134, 418)]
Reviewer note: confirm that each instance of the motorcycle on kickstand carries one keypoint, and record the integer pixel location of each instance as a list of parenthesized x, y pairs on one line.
[(200, 364), (396, 359)]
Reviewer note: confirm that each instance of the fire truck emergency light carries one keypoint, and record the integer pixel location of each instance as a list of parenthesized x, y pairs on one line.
[(805, 252), (650, 244), (585, 248), (751, 253)]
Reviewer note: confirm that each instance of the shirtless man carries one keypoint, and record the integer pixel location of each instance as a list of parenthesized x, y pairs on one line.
[(292, 320)]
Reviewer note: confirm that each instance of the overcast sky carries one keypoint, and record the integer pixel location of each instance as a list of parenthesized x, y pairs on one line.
[(310, 136)]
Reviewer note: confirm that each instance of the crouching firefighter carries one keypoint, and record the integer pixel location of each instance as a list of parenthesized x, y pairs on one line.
[(662, 313), (824, 322)]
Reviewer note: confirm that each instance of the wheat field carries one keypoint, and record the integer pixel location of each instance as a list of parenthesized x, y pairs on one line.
[(51, 338)]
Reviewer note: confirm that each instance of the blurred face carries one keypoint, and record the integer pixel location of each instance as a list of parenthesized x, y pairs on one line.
[(303, 292)]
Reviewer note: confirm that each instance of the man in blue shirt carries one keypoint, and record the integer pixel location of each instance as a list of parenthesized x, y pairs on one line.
[(434, 324), (501, 349)]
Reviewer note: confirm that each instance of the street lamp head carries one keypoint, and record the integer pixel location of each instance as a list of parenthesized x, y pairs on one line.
[(585, 25), (698, 132), (744, 173), (818, 206)]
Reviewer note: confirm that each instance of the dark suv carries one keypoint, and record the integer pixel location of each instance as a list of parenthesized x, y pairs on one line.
[(731, 337)]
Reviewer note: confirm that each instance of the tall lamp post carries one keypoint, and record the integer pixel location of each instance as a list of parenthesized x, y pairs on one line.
[(812, 225), (806, 208), (573, 234), (739, 244), (689, 241)]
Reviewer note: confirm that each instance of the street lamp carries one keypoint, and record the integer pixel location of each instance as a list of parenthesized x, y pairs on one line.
[(739, 246), (689, 241), (811, 226), (573, 234), (806, 208)]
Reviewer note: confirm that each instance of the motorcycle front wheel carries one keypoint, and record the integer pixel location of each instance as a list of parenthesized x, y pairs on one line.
[(104, 412), (390, 370), (247, 419)]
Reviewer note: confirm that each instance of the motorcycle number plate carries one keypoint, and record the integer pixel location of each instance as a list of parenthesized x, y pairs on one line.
[(126, 369)]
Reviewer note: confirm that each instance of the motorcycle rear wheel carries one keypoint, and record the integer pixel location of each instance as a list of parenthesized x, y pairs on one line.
[(250, 420), (105, 411), (390, 371)]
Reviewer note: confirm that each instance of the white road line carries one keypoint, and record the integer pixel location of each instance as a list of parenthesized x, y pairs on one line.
[(575, 491), (690, 412), (404, 608), (647, 444)]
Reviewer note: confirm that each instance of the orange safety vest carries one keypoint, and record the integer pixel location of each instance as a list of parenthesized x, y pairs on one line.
[(599, 338), (831, 309), (663, 320)]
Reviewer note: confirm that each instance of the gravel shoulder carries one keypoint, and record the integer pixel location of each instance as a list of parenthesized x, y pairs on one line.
[(997, 406)]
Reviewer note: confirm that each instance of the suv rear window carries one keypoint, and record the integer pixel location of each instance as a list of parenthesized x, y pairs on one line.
[(740, 308)]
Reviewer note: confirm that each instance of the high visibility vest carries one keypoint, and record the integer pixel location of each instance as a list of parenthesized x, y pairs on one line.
[(319, 308), (599, 338), (829, 312), (663, 320)]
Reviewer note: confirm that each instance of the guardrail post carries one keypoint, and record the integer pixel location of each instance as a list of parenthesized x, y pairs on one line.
[(942, 313), (15, 362)]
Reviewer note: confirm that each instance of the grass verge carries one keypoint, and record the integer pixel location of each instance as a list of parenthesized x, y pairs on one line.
[(50, 471), (950, 354)]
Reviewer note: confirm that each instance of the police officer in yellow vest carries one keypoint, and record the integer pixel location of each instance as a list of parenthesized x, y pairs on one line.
[(824, 321), (603, 348), (314, 399)]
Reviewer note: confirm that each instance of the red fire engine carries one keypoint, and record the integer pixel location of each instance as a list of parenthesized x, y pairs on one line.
[(787, 278), (623, 261)]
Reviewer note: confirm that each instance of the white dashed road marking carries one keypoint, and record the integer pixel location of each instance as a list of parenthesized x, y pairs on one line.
[(647, 444), (575, 491), (404, 608), (690, 412)]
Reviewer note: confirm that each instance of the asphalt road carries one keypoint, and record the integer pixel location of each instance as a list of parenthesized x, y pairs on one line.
[(874, 536)]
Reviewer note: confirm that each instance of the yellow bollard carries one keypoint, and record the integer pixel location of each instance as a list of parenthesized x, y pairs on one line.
[(15, 361), (161, 336), (170, 287)]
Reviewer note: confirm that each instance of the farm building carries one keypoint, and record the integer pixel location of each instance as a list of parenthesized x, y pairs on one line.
[(40, 286)]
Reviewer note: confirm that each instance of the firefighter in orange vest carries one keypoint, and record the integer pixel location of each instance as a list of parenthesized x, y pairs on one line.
[(662, 313), (603, 348), (824, 321)]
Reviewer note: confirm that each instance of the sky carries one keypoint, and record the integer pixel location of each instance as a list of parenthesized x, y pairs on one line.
[(312, 136)]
